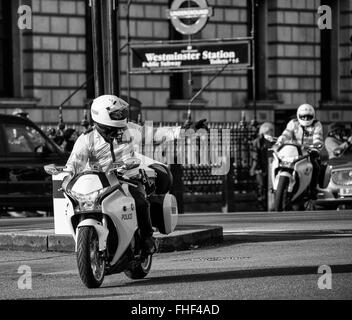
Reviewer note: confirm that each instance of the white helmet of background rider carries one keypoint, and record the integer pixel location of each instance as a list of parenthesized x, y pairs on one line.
[(110, 114), (305, 115)]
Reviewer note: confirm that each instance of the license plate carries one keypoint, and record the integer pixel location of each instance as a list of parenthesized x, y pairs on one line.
[(346, 192)]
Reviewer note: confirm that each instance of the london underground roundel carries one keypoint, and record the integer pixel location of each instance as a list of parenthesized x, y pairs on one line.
[(197, 14)]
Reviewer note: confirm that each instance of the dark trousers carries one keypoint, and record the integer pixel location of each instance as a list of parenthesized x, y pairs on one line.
[(316, 162), (262, 189), (143, 210)]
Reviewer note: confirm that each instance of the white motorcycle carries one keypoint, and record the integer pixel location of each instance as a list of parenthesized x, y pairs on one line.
[(291, 175), (102, 217)]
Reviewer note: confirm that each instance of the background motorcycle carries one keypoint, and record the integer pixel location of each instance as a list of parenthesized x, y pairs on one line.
[(102, 217), (291, 175)]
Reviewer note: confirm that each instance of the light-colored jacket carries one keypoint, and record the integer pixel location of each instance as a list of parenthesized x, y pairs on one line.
[(304, 136), (92, 151)]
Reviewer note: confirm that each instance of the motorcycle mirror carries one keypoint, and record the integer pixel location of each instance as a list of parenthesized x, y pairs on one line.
[(270, 138), (132, 163), (51, 169), (127, 165)]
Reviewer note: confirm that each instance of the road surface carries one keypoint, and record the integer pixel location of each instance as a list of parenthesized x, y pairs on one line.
[(265, 270)]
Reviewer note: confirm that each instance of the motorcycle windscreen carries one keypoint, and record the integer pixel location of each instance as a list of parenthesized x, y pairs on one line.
[(288, 153), (88, 183)]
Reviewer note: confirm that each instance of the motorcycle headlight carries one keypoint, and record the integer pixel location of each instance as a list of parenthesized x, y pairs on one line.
[(288, 159), (90, 201), (287, 164)]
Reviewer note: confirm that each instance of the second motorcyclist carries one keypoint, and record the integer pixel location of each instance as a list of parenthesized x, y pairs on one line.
[(306, 131)]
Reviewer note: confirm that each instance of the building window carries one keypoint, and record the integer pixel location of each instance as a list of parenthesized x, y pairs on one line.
[(6, 72)]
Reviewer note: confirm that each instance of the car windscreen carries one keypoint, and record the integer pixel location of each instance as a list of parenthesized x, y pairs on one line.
[(22, 138)]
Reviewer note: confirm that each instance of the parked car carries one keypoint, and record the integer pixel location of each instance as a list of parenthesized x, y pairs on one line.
[(338, 194), (24, 150)]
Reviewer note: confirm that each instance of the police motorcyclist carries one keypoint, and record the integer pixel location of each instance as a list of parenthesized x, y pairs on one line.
[(338, 140), (106, 142), (306, 130)]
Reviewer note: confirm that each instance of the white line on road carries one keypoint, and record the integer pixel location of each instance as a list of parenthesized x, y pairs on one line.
[(73, 271)]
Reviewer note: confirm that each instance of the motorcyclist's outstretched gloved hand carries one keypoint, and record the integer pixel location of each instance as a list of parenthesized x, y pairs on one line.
[(201, 124)]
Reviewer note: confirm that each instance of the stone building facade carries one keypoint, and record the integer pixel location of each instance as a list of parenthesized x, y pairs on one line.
[(296, 62), (51, 58)]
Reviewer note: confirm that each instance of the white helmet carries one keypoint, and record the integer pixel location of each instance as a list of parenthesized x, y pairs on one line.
[(109, 110), (267, 128), (305, 115)]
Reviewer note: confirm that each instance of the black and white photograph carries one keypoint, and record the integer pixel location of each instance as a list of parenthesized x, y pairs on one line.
[(175, 155)]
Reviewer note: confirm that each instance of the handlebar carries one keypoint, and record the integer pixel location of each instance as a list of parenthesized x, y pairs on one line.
[(55, 170), (308, 148), (127, 180)]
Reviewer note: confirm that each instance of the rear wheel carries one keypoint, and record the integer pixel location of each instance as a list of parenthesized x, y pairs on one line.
[(140, 269), (90, 262), (281, 195), (309, 205)]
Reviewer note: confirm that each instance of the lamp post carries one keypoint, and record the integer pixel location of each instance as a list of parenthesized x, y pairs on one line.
[(97, 47), (113, 52)]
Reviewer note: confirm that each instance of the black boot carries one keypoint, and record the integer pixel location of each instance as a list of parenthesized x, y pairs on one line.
[(314, 194), (150, 245)]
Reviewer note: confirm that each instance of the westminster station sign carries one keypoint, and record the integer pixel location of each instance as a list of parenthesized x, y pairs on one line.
[(178, 57)]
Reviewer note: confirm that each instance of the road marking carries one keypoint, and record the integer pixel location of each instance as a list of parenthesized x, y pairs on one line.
[(73, 271), (288, 232)]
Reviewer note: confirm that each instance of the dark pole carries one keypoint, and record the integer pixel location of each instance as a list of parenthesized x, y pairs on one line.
[(113, 54), (128, 57), (254, 90), (190, 82), (97, 48)]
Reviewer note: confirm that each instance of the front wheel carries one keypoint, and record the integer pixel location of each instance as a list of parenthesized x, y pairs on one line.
[(281, 195), (90, 262)]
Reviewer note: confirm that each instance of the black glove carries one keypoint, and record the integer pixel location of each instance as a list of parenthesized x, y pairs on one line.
[(201, 124), (148, 184)]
